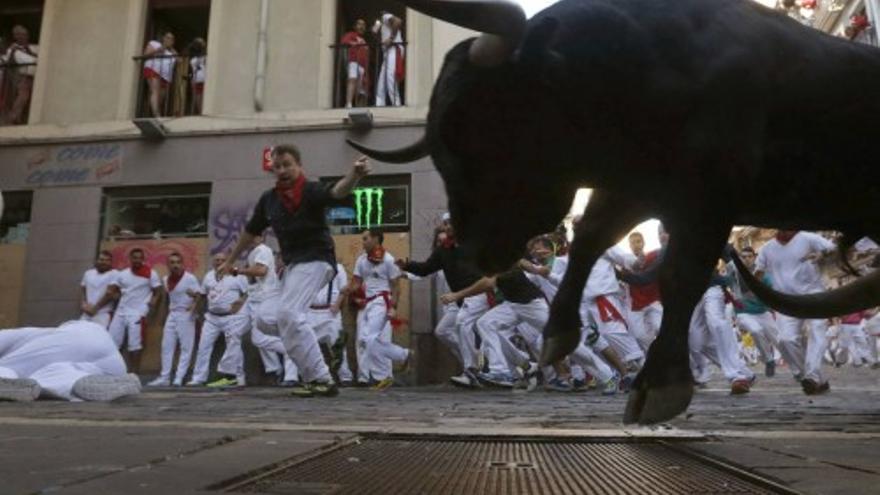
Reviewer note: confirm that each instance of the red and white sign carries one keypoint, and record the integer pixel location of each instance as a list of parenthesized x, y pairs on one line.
[(267, 159)]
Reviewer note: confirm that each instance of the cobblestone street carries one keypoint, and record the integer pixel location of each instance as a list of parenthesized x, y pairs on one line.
[(182, 440)]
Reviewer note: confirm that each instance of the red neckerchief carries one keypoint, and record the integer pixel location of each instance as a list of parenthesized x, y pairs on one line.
[(172, 280), (783, 238), (448, 243), (291, 194), (143, 271)]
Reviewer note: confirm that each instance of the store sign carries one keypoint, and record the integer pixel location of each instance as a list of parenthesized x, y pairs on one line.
[(75, 165), (368, 203)]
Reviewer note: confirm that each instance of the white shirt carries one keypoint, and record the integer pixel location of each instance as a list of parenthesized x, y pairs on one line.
[(782, 262), (267, 285), (603, 280), (224, 292), (332, 289), (386, 33), (164, 65), (178, 299), (96, 284), (377, 277), (549, 285), (136, 292), (198, 68)]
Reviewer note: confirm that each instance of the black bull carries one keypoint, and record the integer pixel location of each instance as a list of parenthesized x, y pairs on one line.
[(703, 113)]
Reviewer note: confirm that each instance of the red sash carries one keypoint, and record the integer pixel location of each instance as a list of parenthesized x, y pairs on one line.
[(607, 310)]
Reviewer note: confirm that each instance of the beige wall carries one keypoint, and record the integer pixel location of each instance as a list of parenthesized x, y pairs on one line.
[(87, 82), (86, 72)]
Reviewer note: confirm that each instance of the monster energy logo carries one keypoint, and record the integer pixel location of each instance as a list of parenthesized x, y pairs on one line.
[(363, 202)]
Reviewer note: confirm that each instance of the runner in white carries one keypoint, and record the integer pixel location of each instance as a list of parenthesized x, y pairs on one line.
[(95, 283), (325, 315), (790, 262), (183, 291), (76, 361), (752, 315), (138, 290)]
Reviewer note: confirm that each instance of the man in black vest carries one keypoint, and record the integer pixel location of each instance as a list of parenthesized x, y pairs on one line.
[(295, 209)]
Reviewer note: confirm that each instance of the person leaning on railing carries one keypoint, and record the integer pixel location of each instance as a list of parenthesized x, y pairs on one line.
[(358, 59), (197, 66), (20, 61), (159, 60)]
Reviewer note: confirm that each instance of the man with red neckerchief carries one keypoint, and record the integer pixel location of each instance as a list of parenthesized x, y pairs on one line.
[(295, 209), (183, 290), (138, 290)]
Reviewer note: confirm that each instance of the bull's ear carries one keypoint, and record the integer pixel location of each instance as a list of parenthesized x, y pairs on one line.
[(536, 55)]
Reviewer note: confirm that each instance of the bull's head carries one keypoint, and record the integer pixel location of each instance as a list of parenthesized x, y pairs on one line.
[(496, 131)]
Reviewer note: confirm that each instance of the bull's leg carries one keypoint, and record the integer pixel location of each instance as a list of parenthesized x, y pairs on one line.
[(607, 218), (664, 387)]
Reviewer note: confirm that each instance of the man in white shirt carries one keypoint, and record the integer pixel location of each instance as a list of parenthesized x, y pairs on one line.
[(377, 283), (138, 290), (94, 285), (226, 314), (790, 262), (325, 315), (389, 28), (263, 297), (180, 326)]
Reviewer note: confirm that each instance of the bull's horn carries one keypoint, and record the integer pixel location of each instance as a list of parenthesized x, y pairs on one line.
[(407, 154), (862, 294), (504, 23)]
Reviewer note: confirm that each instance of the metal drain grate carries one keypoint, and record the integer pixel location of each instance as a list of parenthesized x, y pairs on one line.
[(419, 465)]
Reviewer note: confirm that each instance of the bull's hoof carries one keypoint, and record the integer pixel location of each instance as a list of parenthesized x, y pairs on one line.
[(653, 401), (558, 346)]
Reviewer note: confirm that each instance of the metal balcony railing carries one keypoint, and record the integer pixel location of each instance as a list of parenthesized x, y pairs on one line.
[(170, 85), (16, 87), (361, 79)]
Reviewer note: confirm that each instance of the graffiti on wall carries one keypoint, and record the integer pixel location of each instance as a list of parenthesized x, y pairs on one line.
[(75, 165)]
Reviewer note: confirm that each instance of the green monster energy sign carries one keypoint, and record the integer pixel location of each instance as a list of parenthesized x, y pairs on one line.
[(364, 206)]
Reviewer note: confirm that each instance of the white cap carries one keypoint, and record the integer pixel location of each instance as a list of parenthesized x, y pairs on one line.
[(445, 217)]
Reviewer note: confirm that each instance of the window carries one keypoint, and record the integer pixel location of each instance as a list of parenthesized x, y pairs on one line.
[(155, 212), (366, 73), (19, 37), (16, 222), (172, 64), (379, 201)]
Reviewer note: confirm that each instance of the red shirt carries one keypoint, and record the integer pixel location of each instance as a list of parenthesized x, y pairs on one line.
[(358, 51), (645, 295)]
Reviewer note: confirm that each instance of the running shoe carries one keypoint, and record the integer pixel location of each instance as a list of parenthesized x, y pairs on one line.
[(611, 386), (504, 380), (223, 383), (812, 388), (740, 386), (558, 385), (468, 379), (160, 382), (320, 389), (770, 369), (383, 384), (105, 388), (626, 383), (19, 389)]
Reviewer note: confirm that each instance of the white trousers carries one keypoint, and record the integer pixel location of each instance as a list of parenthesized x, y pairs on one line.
[(457, 329), (387, 83), (762, 328), (854, 342), (711, 335), (805, 362), (498, 323), (102, 319), (447, 331), (57, 358), (644, 324), (586, 358), (233, 327), (328, 329), (375, 350), (264, 314), (130, 325), (301, 283), (613, 330), (180, 328)]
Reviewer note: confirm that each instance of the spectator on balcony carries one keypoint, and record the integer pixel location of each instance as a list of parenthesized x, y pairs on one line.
[(159, 70), (197, 66), (392, 70), (358, 58), (20, 60)]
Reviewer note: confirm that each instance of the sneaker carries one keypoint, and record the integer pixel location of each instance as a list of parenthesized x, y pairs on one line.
[(799, 378), (303, 390), (160, 382), (626, 383), (612, 385), (324, 389), (223, 383), (195, 384), (383, 384), (812, 388), (468, 379), (740, 386), (770, 369), (290, 384), (346, 383), (504, 380), (19, 389), (557, 385), (241, 381), (178, 383), (105, 388)]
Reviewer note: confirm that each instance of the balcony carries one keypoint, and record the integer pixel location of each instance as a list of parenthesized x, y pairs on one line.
[(362, 79), (171, 85), (16, 86)]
